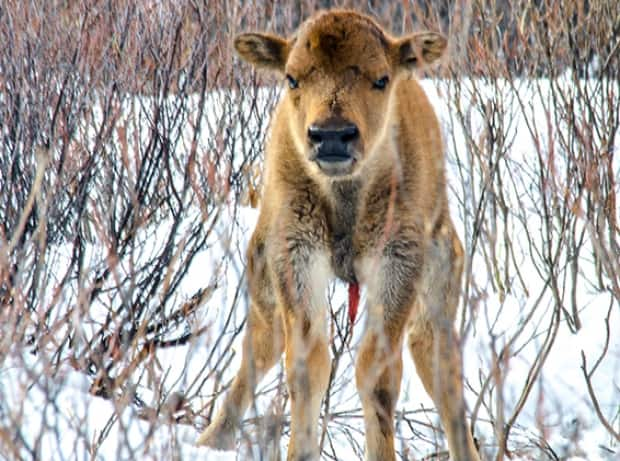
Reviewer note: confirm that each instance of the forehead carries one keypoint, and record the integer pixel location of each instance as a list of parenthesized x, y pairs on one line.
[(337, 41)]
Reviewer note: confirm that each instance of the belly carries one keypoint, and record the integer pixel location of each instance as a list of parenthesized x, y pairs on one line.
[(343, 257)]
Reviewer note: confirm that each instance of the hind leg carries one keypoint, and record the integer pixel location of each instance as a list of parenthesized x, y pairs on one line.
[(435, 351), (262, 347), (434, 344)]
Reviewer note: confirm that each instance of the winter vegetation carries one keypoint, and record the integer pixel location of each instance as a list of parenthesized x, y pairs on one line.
[(131, 143)]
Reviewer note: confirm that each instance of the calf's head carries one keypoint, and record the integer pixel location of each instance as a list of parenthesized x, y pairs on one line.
[(340, 68)]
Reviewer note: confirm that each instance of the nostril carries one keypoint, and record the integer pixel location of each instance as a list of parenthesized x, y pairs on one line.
[(315, 134), (342, 134), (349, 133)]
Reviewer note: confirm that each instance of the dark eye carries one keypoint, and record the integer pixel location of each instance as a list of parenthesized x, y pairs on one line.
[(381, 83), (292, 83)]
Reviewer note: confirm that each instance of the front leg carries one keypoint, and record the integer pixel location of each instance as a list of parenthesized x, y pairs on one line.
[(391, 279), (302, 271)]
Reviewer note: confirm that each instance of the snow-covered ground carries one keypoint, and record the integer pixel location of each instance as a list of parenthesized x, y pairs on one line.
[(558, 408)]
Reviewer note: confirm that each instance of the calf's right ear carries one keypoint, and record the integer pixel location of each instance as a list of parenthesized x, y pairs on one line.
[(263, 51)]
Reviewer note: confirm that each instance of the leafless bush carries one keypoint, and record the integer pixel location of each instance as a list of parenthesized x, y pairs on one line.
[(131, 145)]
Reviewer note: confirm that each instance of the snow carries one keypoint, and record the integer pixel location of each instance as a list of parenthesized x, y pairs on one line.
[(559, 396)]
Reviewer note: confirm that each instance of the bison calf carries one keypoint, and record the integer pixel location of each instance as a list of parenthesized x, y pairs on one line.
[(354, 188)]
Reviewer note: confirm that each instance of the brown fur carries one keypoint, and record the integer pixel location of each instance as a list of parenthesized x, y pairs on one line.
[(381, 221)]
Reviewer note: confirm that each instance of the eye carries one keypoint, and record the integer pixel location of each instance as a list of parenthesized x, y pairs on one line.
[(292, 83), (381, 83)]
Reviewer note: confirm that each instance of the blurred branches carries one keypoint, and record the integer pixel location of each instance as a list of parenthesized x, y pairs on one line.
[(130, 148)]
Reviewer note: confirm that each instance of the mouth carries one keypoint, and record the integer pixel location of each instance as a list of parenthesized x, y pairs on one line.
[(335, 164)]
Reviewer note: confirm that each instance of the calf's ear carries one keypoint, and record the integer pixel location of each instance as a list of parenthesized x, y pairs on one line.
[(263, 51), (421, 49)]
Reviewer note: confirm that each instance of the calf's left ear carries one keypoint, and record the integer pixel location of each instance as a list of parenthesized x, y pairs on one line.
[(421, 49), (264, 51)]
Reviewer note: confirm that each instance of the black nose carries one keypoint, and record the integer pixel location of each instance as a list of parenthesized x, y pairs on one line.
[(332, 141), (343, 134)]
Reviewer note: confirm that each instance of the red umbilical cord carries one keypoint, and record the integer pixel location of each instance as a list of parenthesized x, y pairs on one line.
[(354, 300)]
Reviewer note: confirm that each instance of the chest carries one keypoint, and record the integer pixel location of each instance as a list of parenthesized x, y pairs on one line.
[(342, 217)]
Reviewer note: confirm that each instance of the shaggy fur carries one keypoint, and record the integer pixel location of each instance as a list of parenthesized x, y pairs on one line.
[(380, 220)]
